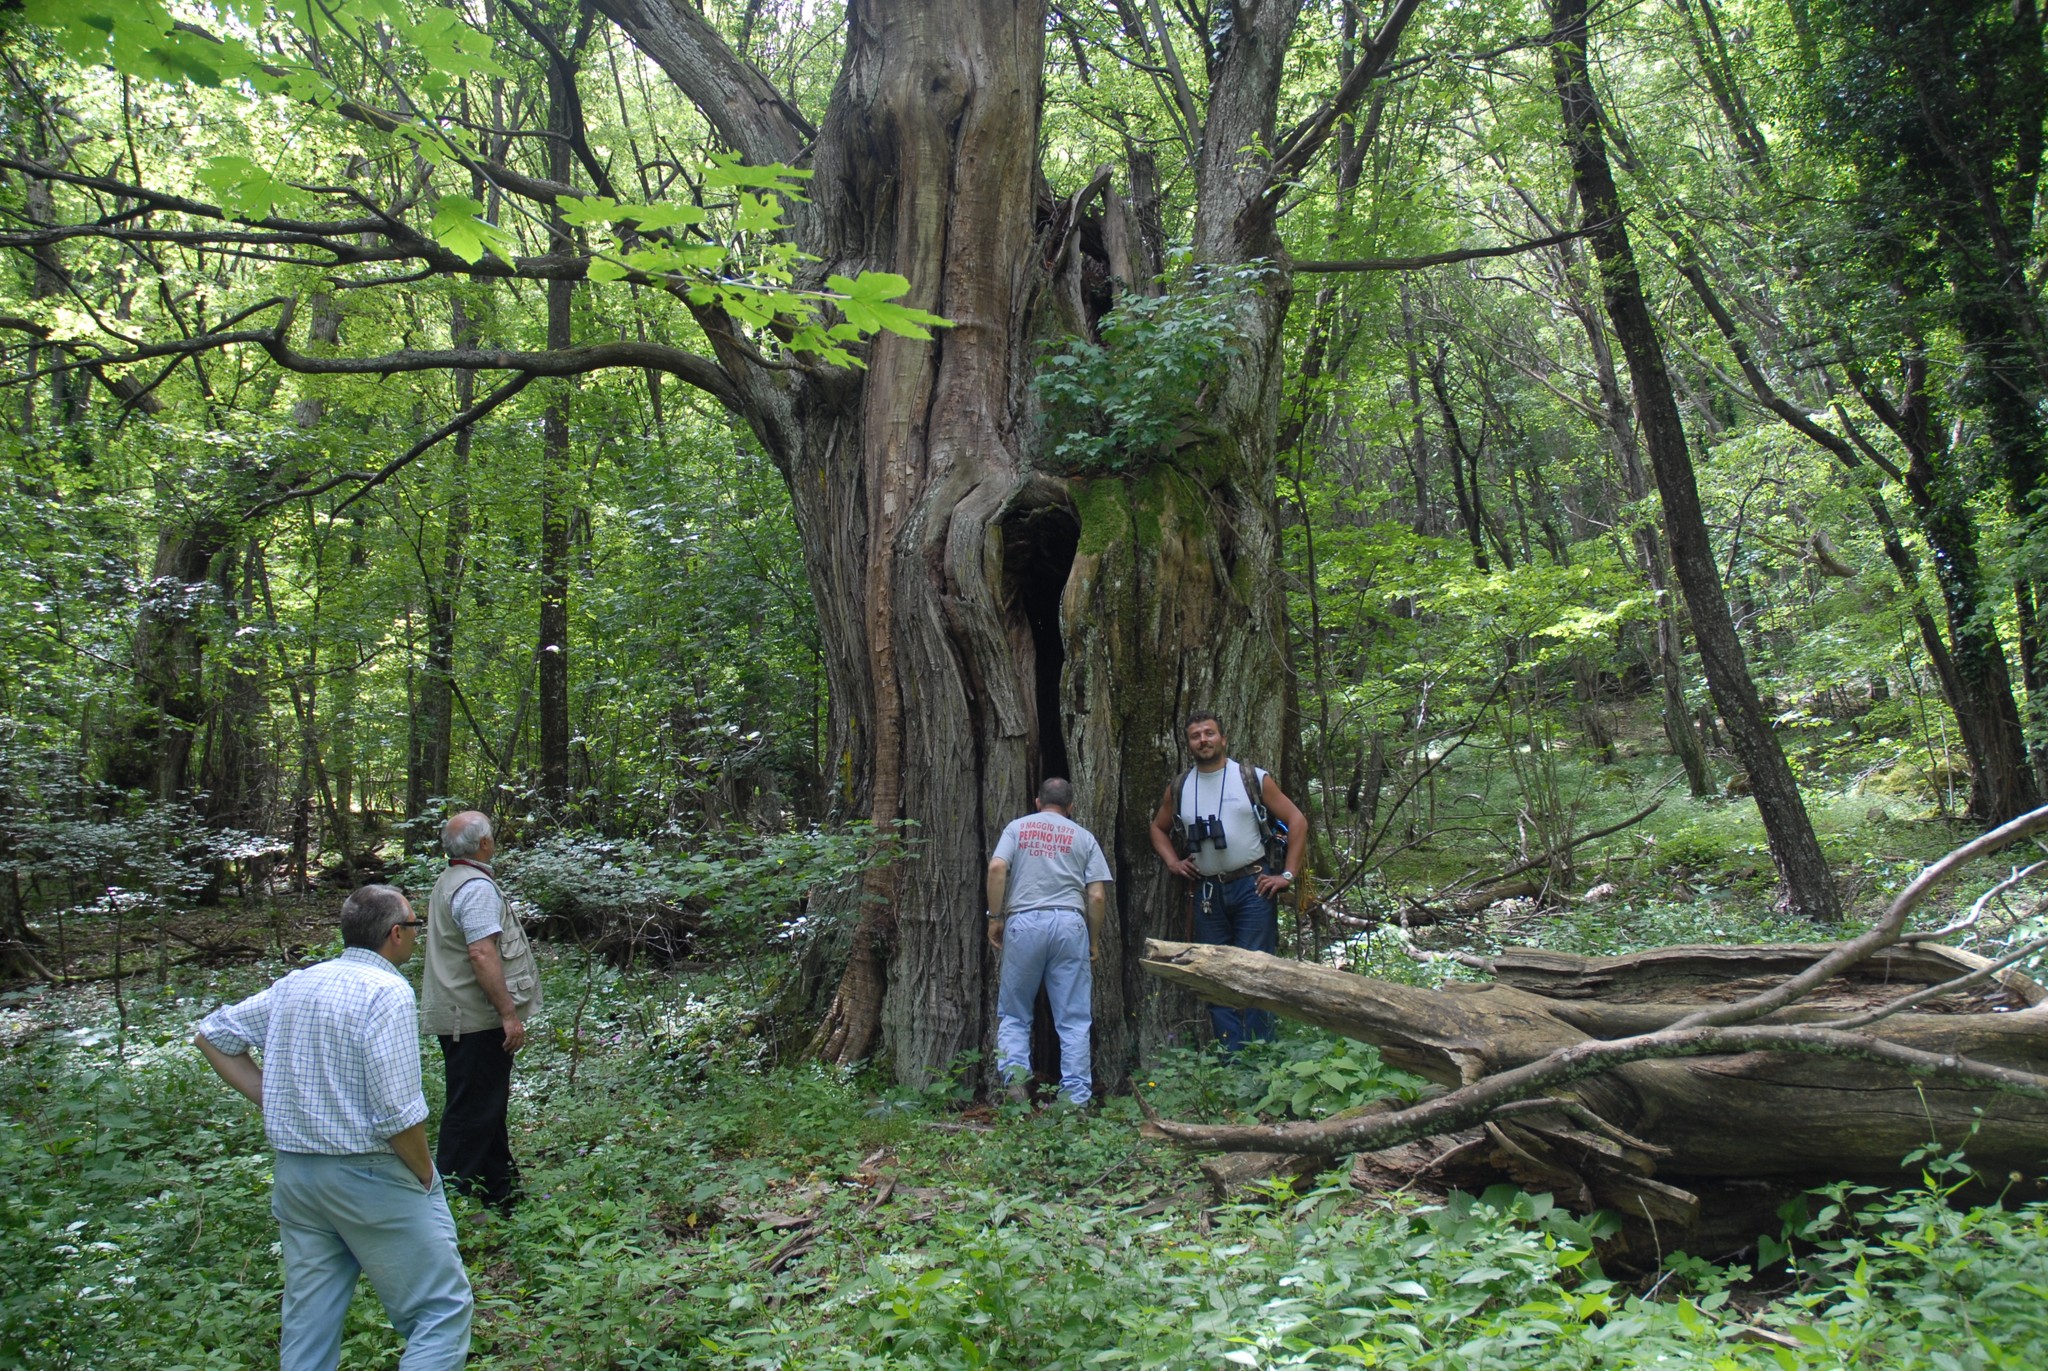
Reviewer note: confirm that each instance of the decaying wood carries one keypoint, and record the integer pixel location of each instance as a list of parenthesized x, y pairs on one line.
[(1669, 1083), (1231, 1174)]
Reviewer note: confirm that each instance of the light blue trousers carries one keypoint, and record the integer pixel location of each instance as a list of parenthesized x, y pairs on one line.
[(341, 1216), (1048, 945)]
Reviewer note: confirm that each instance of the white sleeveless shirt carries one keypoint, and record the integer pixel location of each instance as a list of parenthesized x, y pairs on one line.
[(1220, 794)]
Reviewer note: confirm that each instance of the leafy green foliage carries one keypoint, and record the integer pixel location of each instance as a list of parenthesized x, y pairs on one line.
[(732, 894), (1312, 1078), (740, 262), (1142, 393), (752, 277)]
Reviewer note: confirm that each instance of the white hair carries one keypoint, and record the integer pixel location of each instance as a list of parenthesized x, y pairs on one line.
[(462, 835)]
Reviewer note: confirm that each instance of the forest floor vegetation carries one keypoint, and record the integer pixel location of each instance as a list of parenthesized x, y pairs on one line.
[(695, 1200), (693, 1204)]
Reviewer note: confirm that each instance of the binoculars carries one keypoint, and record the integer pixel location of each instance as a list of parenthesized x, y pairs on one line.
[(1209, 830)]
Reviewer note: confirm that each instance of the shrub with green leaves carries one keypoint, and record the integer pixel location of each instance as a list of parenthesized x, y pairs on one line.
[(622, 896), (1142, 393), (1312, 1078)]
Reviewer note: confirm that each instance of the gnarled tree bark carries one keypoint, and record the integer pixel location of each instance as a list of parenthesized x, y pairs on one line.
[(988, 622)]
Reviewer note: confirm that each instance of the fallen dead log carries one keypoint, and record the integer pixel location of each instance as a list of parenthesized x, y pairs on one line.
[(1682, 1085), (1795, 1101)]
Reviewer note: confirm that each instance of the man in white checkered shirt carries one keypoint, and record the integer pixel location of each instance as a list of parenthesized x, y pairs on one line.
[(354, 1189)]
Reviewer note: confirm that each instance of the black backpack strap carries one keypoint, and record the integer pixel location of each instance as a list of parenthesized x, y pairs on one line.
[(1255, 795), (1179, 828)]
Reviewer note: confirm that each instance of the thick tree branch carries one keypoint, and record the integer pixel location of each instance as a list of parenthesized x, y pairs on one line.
[(1438, 259), (1474, 1103), (1183, 97), (1300, 145), (132, 393), (1883, 934), (684, 365), (199, 209), (745, 109)]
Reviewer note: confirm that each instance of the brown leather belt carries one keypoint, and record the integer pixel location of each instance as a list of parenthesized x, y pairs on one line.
[(1254, 869)]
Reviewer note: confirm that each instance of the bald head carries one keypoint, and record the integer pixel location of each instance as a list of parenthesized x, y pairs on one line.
[(466, 833), (1056, 793)]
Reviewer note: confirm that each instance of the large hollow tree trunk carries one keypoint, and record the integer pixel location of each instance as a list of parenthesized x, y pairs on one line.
[(987, 623), (152, 752), (1794, 847), (906, 481), (235, 771)]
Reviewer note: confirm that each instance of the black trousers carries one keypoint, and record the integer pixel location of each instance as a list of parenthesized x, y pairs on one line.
[(475, 1155)]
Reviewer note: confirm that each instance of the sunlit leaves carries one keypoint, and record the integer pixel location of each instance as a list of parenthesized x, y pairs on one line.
[(242, 189), (582, 212), (868, 304), (752, 275), (726, 171), (137, 37), (460, 227)]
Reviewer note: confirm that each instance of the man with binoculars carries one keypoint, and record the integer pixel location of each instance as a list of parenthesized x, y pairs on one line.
[(1228, 828)]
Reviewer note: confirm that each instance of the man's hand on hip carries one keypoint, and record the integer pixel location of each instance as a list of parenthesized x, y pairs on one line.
[(515, 1033)]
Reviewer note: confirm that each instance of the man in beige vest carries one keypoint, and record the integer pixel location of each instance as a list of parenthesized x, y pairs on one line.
[(479, 989)]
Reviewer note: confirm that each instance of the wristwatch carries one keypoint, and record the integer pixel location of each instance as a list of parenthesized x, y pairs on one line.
[(1287, 876)]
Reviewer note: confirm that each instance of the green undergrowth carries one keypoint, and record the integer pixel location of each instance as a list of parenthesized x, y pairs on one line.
[(693, 1206), (1493, 801)]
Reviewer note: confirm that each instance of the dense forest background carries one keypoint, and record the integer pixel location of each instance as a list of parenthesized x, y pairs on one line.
[(414, 405), (1593, 452)]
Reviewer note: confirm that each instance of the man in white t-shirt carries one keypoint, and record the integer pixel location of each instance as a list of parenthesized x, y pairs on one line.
[(1235, 885), (1047, 888)]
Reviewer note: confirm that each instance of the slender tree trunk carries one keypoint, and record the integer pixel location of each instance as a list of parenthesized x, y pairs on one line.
[(556, 497), (1676, 713), (1971, 666), (2002, 784), (433, 723), (1794, 848), (1470, 512)]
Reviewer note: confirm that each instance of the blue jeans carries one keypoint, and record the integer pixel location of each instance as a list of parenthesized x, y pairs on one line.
[(1049, 945), (366, 1214), (1235, 914)]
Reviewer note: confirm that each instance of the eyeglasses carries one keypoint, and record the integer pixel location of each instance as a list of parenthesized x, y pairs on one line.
[(410, 923)]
